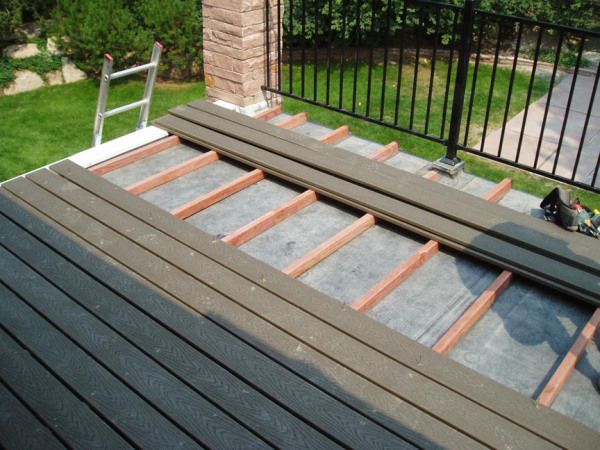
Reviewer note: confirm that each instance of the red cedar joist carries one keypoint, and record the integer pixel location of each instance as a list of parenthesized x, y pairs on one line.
[(336, 135), (218, 194), (269, 113), (386, 152), (416, 260), (294, 121), (278, 215), (330, 246), (396, 277), (135, 155), (499, 191), (470, 317), (270, 219), (172, 173), (569, 362), (340, 239)]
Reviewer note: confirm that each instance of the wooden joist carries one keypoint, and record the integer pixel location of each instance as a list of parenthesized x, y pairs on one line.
[(218, 194), (496, 235), (484, 393), (330, 246), (135, 155), (567, 366), (293, 121), (472, 315), (269, 113), (336, 135), (172, 173)]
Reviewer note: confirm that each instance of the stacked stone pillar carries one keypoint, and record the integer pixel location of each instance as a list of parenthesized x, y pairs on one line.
[(235, 52)]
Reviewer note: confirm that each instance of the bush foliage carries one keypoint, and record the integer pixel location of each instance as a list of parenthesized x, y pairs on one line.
[(127, 28)]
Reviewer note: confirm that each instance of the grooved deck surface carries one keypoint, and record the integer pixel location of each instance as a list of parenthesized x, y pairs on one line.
[(123, 326)]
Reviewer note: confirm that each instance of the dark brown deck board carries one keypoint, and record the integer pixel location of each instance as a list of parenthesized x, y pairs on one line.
[(20, 428), (491, 249), (75, 423), (458, 206), (199, 419), (394, 414), (506, 402), (475, 421), (253, 409), (334, 417), (342, 347)]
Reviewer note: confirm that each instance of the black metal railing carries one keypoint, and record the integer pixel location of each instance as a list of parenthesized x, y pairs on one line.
[(506, 88)]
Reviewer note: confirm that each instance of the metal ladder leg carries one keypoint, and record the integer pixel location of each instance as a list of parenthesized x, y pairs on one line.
[(149, 89), (107, 68)]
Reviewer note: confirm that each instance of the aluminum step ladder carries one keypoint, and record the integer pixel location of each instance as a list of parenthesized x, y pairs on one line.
[(144, 104)]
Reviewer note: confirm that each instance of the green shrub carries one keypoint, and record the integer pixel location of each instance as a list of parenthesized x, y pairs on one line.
[(14, 12), (127, 29), (89, 28), (41, 64), (178, 25), (7, 72)]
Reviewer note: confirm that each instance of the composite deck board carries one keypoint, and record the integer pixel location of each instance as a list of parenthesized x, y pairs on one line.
[(189, 411), (456, 205), (511, 256), (527, 231), (475, 421), (250, 408), (505, 402), (383, 407), (350, 427), (20, 428), (76, 423)]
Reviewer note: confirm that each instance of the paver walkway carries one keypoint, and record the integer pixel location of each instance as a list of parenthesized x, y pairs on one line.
[(556, 118)]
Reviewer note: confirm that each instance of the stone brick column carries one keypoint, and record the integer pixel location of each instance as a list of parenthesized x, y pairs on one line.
[(235, 52)]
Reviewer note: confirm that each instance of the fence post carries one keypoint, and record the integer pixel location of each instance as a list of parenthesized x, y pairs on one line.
[(451, 163)]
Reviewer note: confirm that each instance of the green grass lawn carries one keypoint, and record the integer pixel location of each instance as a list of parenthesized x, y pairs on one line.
[(42, 126)]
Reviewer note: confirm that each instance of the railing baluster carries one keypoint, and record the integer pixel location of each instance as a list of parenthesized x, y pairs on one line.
[(303, 49), (316, 50), (342, 57), (510, 87), (569, 101), (400, 63), (549, 99), (370, 74), (449, 75), (436, 38), (536, 59), (329, 42), (492, 86), (416, 73), (474, 81), (356, 47), (291, 44), (385, 58)]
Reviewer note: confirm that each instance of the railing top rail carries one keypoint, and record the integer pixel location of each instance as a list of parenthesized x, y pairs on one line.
[(438, 4), (545, 25)]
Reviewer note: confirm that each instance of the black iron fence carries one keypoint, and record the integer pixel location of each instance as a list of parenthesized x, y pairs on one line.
[(514, 90)]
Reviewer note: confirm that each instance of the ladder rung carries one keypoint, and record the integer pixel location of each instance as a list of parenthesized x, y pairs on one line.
[(120, 109), (132, 70)]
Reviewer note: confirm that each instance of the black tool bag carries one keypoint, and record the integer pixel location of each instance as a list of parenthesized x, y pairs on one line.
[(559, 208), (570, 214)]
